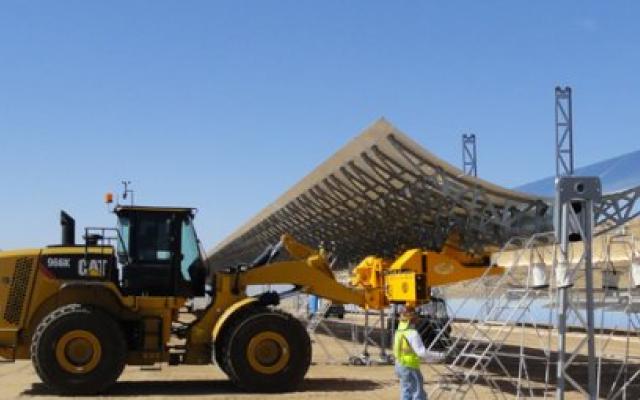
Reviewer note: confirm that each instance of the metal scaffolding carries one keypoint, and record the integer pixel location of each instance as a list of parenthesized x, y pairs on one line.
[(490, 347), (574, 202), (564, 132), (469, 155), (352, 336), (510, 344)]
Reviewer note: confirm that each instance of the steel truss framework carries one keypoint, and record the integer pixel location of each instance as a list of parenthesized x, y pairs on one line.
[(509, 344), (354, 349), (469, 154), (383, 193), (564, 132)]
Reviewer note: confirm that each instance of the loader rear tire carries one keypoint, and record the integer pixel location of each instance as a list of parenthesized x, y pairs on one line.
[(268, 351), (78, 350)]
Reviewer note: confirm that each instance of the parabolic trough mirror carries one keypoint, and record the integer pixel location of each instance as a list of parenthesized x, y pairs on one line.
[(383, 193)]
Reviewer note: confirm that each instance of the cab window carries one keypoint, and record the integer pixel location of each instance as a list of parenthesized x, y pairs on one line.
[(153, 239), (124, 228), (190, 250)]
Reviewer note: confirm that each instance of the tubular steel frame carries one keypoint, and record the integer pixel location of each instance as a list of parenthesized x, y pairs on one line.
[(564, 132), (515, 307), (574, 200), (390, 195), (383, 193), (469, 155)]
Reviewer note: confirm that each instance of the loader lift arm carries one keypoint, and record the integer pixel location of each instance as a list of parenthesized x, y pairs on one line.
[(375, 283), (309, 272), (407, 279), (309, 279)]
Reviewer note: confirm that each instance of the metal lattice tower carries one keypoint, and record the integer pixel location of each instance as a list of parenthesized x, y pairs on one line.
[(469, 155), (575, 198), (574, 220), (564, 132)]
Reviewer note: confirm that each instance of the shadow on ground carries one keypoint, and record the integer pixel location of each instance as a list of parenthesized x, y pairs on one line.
[(201, 387)]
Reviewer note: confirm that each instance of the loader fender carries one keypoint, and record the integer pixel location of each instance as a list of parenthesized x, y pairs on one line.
[(226, 315), (96, 295)]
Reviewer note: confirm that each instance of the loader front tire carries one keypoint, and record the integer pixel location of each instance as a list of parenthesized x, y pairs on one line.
[(268, 351), (78, 350)]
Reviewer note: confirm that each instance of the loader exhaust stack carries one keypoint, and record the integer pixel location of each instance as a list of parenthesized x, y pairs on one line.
[(68, 226)]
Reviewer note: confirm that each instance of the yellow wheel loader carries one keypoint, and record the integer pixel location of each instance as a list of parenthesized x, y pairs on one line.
[(82, 311)]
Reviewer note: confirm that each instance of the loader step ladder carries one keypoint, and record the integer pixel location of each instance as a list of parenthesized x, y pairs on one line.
[(12, 358)]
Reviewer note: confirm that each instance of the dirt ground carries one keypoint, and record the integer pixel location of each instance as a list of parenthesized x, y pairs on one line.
[(328, 378), (323, 382)]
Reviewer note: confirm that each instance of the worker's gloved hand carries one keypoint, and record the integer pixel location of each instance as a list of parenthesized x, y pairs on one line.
[(435, 356)]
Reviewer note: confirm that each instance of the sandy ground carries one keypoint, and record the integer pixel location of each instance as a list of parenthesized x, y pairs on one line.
[(328, 377), (323, 382)]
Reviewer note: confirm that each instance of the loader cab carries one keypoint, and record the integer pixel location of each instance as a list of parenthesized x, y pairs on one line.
[(159, 252)]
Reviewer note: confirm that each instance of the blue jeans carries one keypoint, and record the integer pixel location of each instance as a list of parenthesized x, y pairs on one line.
[(411, 383)]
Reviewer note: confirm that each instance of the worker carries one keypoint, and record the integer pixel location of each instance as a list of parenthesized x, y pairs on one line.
[(408, 349)]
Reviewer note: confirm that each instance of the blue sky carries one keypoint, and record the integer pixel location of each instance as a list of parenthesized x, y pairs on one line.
[(224, 105)]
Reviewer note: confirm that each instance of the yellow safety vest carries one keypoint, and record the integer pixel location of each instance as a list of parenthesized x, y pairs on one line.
[(402, 350)]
